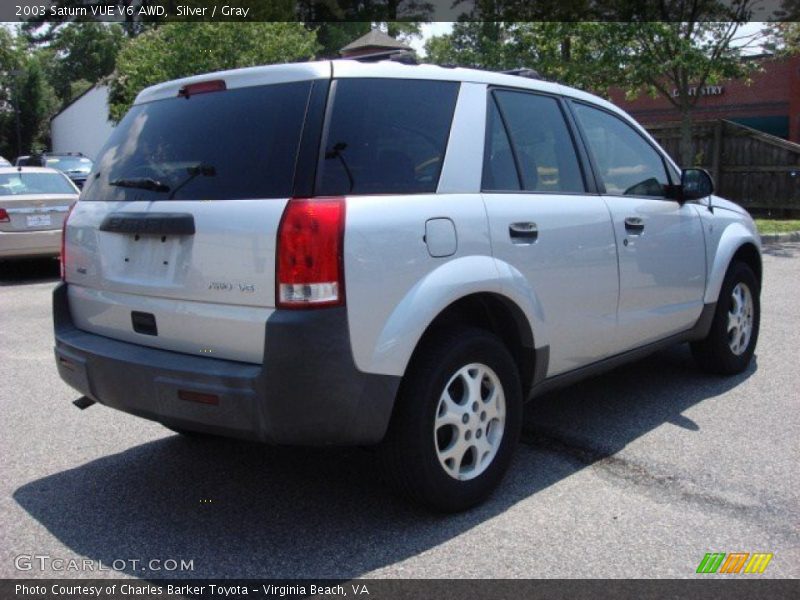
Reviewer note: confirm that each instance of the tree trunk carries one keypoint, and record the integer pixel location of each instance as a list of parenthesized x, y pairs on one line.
[(687, 156), (566, 49)]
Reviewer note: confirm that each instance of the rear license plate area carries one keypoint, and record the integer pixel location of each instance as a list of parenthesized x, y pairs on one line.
[(147, 259), (38, 220)]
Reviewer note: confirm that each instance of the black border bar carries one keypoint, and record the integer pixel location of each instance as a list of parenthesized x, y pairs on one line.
[(730, 588), (55, 11)]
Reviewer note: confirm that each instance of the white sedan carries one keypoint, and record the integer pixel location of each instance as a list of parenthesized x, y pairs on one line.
[(33, 204)]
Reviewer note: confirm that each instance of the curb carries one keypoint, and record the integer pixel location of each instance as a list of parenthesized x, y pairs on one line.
[(776, 238)]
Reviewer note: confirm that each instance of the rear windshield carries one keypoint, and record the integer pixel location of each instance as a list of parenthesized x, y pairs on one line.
[(386, 136), (19, 184), (69, 163), (229, 144)]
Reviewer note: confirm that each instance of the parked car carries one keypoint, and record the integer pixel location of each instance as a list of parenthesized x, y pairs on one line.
[(385, 254), (4, 162), (29, 160), (33, 204), (76, 166)]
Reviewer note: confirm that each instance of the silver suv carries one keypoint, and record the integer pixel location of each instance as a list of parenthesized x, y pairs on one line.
[(388, 254)]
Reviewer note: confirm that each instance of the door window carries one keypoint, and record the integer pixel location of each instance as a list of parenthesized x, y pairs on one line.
[(499, 170), (540, 145), (626, 163)]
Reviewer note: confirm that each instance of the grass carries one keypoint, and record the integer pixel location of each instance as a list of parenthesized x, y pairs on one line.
[(777, 226)]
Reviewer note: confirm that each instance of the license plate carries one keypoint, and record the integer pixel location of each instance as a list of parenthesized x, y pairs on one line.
[(38, 220)]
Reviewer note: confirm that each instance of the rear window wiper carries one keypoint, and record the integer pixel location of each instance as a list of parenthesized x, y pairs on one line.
[(336, 152), (200, 169), (143, 183)]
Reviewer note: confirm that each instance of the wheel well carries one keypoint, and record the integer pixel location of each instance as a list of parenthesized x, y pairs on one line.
[(498, 315), (749, 255)]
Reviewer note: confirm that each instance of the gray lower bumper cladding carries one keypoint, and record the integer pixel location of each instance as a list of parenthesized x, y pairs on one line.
[(308, 391)]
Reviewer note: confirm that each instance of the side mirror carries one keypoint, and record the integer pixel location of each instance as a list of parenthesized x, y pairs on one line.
[(695, 184)]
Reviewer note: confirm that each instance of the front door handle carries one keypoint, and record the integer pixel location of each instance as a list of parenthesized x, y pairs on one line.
[(634, 224), (523, 232)]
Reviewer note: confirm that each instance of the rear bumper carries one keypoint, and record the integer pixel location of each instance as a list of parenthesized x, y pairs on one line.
[(308, 391), (30, 243)]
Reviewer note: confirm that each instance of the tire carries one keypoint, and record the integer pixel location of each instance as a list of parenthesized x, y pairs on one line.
[(730, 343), (430, 455)]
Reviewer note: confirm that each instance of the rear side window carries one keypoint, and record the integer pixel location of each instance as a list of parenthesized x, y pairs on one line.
[(228, 144), (541, 145), (499, 169), (386, 136)]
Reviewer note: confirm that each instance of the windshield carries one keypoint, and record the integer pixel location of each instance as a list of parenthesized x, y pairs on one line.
[(79, 164), (228, 144), (19, 184)]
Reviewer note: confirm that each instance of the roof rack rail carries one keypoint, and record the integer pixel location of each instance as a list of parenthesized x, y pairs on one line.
[(523, 72), (407, 57)]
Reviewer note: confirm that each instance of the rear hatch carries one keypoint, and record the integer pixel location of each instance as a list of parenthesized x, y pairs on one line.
[(172, 244)]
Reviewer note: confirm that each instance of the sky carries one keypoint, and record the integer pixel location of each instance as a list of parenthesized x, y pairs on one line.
[(429, 30)]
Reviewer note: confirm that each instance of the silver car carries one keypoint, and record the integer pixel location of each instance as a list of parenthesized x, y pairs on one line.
[(33, 204), (374, 253)]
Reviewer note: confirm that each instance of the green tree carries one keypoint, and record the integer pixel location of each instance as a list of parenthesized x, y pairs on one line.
[(332, 35), (672, 58), (24, 93), (82, 52), (783, 38), (583, 55), (363, 11), (11, 57), (182, 49), (339, 22), (478, 44), (37, 102), (586, 55), (676, 60)]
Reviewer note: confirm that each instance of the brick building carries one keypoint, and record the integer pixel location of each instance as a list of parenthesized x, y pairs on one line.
[(771, 103)]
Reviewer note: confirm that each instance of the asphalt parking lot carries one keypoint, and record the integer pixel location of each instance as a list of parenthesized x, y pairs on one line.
[(637, 473)]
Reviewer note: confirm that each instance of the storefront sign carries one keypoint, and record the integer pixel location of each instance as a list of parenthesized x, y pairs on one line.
[(706, 90)]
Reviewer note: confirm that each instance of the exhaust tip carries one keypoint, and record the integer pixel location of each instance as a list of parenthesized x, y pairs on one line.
[(83, 402)]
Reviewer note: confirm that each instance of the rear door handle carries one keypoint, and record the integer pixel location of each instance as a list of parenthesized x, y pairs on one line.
[(634, 224), (523, 232)]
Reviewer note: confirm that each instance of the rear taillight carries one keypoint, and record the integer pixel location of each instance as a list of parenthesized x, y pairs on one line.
[(64, 244), (4, 218), (310, 264)]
